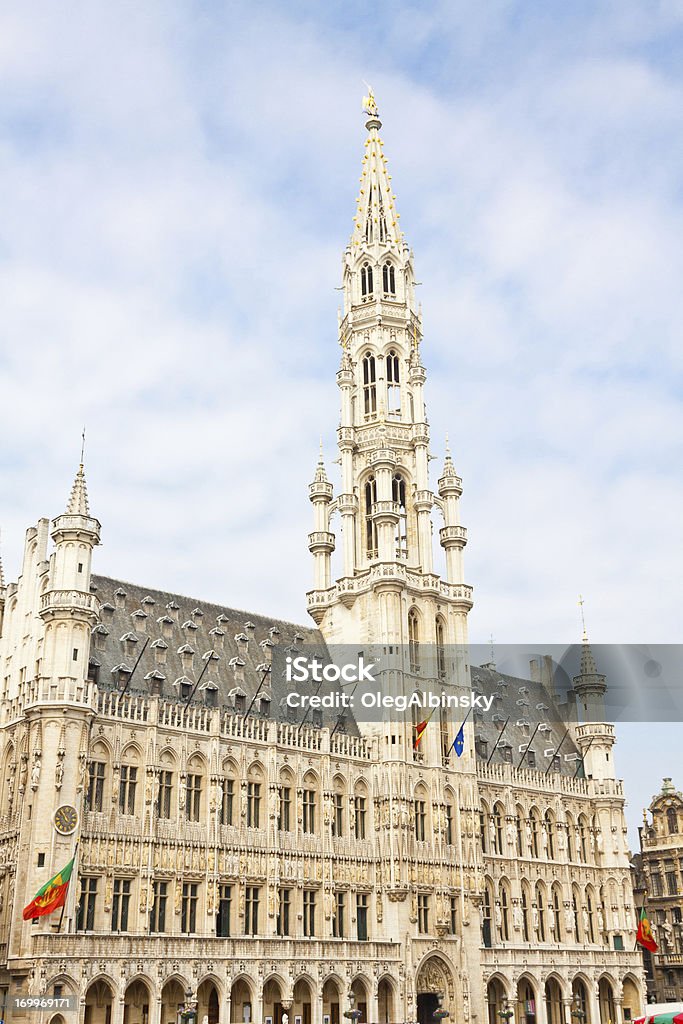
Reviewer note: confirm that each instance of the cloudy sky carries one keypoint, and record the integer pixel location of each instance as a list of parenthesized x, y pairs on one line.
[(178, 184)]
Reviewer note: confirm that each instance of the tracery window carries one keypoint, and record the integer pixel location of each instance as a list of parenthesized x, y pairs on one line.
[(389, 278), (370, 525), (369, 385), (366, 283), (398, 496)]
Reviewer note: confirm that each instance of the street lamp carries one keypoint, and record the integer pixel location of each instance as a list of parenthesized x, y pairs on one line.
[(188, 1014), (578, 1012), (505, 1011), (439, 1013), (353, 1014)]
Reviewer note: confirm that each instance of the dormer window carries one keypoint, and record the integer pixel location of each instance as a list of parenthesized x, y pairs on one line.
[(366, 282), (369, 385), (389, 279)]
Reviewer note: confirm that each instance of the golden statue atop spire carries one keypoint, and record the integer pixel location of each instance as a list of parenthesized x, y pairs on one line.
[(369, 102), (583, 620)]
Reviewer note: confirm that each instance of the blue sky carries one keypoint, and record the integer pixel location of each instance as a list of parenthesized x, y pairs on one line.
[(179, 182)]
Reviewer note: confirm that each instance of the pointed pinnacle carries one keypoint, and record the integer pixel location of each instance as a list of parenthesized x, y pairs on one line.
[(78, 501)]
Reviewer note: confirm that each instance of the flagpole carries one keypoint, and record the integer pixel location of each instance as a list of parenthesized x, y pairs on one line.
[(557, 750), (495, 745), (68, 893), (469, 712), (526, 749), (580, 764)]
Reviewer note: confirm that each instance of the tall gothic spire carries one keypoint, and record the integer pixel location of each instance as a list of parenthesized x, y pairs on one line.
[(376, 219), (78, 501)]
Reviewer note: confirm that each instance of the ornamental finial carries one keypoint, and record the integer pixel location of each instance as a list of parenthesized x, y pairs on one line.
[(369, 102)]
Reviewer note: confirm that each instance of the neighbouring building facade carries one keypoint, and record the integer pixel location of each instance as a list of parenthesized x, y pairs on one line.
[(659, 888), (259, 868)]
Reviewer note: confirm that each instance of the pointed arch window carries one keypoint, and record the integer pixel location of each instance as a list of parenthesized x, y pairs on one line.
[(504, 913), (540, 904), (440, 648), (525, 915), (414, 640), (393, 370), (486, 917), (366, 282), (556, 918), (369, 231), (575, 915), (369, 385), (398, 496), (370, 525), (389, 279)]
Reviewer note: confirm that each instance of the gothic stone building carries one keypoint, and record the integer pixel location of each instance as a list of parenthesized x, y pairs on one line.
[(659, 884), (283, 871)]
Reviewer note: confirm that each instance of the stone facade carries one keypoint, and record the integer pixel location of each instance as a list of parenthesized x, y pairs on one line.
[(659, 887), (275, 867)]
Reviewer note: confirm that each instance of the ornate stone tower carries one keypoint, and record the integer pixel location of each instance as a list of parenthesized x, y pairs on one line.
[(387, 594), (388, 591), (55, 703)]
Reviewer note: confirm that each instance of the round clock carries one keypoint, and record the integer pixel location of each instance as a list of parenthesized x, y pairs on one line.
[(66, 819)]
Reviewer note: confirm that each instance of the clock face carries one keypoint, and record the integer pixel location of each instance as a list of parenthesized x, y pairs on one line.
[(66, 819)]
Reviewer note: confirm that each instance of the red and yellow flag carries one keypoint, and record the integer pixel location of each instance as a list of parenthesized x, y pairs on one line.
[(644, 935), (420, 729), (51, 896)]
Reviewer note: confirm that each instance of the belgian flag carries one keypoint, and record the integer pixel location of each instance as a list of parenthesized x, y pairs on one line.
[(51, 896), (644, 935)]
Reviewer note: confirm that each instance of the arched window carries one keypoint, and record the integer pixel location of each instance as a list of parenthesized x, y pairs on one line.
[(575, 914), (569, 824), (414, 640), (525, 915), (583, 842), (540, 907), (520, 834), (366, 285), (369, 229), (497, 829), (389, 278), (398, 495), (393, 369), (589, 922), (440, 648), (370, 525), (532, 833), (482, 829), (486, 916), (549, 826), (672, 820), (555, 915), (369, 385), (504, 913)]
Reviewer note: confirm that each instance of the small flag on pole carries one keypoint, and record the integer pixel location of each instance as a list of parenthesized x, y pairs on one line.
[(644, 935), (458, 744), (51, 896), (420, 729), (459, 741)]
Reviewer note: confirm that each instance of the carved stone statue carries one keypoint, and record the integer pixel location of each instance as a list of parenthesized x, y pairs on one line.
[(535, 918), (59, 774)]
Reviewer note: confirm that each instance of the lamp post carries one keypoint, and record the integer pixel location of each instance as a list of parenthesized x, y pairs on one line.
[(578, 1012), (439, 1013), (505, 1011), (353, 1014), (188, 1014)]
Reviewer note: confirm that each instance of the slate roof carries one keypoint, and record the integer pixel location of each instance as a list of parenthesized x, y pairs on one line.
[(168, 636), (523, 704), (180, 631)]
